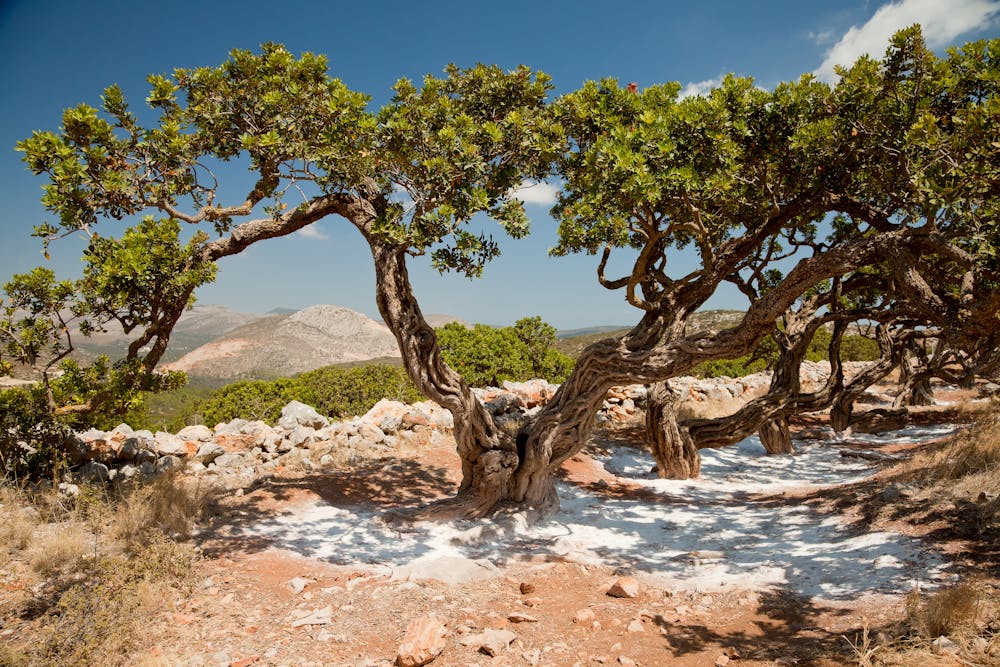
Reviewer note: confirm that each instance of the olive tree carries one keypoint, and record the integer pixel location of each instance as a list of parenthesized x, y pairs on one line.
[(643, 173)]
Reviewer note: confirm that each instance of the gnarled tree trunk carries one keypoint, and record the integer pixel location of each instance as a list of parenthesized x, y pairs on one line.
[(489, 456), (775, 436), (675, 452)]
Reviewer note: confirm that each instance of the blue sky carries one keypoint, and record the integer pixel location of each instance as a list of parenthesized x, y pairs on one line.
[(57, 54)]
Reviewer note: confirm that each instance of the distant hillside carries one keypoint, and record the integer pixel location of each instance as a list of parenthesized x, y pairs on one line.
[(588, 331), (572, 342), (200, 325), (282, 345)]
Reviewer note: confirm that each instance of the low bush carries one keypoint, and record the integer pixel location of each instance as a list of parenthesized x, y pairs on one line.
[(339, 392), (93, 587), (170, 506), (954, 611), (333, 391), (486, 356), (250, 399)]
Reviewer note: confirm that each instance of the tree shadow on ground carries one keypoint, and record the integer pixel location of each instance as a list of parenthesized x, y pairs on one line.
[(367, 489), (787, 627), (690, 536), (967, 527)]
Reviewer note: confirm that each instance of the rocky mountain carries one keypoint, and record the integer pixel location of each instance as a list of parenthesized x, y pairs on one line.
[(197, 326), (282, 345)]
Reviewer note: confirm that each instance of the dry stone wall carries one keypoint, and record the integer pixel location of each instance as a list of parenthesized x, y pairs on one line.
[(238, 451)]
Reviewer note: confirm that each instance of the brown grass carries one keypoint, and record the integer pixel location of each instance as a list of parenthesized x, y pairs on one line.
[(98, 568), (170, 505), (974, 452), (952, 612), (101, 620), (17, 525), (60, 548)]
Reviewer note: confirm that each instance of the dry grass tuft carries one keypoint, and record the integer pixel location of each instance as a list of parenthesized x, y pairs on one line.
[(170, 505), (974, 452), (17, 524), (865, 649), (952, 612), (60, 548), (100, 565), (101, 620)]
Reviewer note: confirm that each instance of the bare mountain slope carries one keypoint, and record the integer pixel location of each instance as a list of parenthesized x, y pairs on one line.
[(281, 345), (197, 326)]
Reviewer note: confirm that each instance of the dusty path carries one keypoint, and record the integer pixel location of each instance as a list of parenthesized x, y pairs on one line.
[(733, 569)]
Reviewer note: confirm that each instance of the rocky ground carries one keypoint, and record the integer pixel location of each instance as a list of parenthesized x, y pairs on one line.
[(263, 598)]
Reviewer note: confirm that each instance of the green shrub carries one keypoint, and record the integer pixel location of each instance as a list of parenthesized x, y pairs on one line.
[(32, 442), (340, 392), (852, 348), (333, 391), (250, 399), (733, 368), (486, 356)]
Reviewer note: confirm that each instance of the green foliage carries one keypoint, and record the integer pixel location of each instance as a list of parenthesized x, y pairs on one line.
[(340, 392), (486, 356), (31, 439), (132, 278), (171, 410), (335, 392), (458, 146), (250, 399), (33, 318), (734, 368)]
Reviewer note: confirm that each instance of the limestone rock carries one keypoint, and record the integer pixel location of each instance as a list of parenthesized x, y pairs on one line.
[(493, 641), (299, 414), (943, 645), (197, 433), (209, 452), (520, 617), (168, 444), (94, 472), (423, 641), (624, 587), (323, 616), (387, 415), (449, 569), (231, 461)]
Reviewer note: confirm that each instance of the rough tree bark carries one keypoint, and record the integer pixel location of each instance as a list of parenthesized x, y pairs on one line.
[(675, 452), (488, 454)]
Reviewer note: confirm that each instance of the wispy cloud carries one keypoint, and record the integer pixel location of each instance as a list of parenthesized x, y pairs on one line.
[(940, 21), (698, 88), (822, 37), (314, 232), (542, 193)]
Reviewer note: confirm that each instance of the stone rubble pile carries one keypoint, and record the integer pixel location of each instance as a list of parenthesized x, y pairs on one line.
[(303, 439)]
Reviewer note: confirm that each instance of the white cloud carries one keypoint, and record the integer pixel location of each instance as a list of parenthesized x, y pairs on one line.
[(940, 21), (314, 232), (542, 193), (821, 37), (698, 88)]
